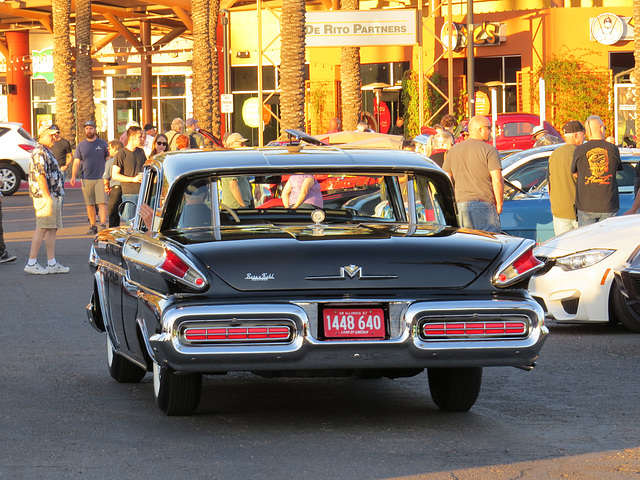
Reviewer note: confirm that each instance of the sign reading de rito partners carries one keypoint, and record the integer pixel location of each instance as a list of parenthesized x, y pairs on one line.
[(361, 28)]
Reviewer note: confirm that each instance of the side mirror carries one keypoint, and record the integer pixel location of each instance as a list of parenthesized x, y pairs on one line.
[(127, 211)]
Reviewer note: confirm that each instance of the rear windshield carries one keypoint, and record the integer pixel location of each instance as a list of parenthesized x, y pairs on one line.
[(244, 199)]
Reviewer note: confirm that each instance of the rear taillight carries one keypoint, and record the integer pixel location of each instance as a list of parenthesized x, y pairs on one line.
[(179, 268), (474, 329), (26, 148), (229, 334), (518, 266)]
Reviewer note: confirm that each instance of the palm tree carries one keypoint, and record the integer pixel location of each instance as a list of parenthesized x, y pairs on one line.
[(63, 69), (292, 66), (214, 12), (86, 106), (636, 49), (201, 63), (350, 79)]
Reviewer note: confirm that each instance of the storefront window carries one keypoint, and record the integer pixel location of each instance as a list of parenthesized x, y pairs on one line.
[(127, 111), (127, 87), (171, 108), (171, 86)]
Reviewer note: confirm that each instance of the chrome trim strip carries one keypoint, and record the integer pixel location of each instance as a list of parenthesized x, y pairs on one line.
[(145, 338)]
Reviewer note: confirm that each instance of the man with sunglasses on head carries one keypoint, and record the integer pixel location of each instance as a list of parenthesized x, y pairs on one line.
[(475, 168), (46, 188)]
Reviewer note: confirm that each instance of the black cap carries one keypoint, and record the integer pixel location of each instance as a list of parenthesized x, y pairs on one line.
[(90, 123), (574, 126), (148, 127)]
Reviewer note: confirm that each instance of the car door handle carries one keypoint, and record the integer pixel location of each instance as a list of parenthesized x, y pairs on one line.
[(136, 246)]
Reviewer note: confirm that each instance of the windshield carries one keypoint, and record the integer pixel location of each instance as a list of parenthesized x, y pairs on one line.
[(276, 199)]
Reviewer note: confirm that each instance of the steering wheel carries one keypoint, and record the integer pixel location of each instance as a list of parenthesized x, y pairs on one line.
[(230, 211)]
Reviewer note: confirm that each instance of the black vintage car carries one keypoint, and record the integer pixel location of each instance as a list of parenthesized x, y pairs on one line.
[(374, 279)]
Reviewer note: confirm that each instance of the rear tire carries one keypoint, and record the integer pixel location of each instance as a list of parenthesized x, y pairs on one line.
[(623, 310), (455, 389), (120, 368), (10, 179), (176, 395)]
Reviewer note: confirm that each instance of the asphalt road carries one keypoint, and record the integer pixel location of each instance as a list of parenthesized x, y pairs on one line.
[(575, 416)]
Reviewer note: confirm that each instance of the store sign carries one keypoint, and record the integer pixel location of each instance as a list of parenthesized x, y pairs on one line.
[(609, 29), (485, 34), (361, 28), (42, 64)]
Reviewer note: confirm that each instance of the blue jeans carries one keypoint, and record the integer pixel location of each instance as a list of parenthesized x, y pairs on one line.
[(479, 215), (587, 218)]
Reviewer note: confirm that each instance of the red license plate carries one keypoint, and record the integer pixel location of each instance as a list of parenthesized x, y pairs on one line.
[(354, 323)]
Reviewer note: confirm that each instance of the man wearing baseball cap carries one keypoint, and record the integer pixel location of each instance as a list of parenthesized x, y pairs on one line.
[(562, 183), (46, 189), (196, 139), (92, 153)]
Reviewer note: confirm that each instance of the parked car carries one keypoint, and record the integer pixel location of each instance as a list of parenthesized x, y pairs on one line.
[(382, 285), (513, 130), (15, 151), (627, 295), (576, 285), (526, 211)]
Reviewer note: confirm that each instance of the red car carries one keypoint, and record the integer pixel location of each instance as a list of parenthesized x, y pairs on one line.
[(513, 130)]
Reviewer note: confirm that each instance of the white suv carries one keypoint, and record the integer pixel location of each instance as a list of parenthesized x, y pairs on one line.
[(15, 150)]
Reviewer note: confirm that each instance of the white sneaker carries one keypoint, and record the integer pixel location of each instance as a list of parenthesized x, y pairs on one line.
[(57, 268), (36, 269)]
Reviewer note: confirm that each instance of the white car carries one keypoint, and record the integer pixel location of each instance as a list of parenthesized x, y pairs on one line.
[(577, 284), (15, 151)]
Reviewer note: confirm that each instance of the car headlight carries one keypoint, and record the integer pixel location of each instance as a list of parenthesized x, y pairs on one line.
[(584, 259)]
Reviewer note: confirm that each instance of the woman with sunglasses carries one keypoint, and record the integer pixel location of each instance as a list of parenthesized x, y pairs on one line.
[(160, 145)]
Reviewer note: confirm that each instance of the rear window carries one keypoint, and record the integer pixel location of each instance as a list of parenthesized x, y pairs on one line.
[(517, 129), (3, 130), (275, 199), (25, 134)]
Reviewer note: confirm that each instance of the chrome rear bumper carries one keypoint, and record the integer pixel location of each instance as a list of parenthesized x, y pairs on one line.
[(406, 346)]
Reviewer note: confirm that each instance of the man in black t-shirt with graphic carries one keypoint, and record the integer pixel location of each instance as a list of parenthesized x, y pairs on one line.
[(595, 165)]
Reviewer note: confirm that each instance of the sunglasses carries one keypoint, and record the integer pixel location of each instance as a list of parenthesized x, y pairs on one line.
[(161, 143)]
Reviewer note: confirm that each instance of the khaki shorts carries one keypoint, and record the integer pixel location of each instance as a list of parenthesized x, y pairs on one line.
[(48, 215), (93, 192)]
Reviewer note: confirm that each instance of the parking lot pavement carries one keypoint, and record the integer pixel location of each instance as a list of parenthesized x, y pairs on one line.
[(575, 416)]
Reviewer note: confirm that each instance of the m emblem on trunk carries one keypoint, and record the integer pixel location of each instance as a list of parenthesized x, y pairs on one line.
[(352, 271)]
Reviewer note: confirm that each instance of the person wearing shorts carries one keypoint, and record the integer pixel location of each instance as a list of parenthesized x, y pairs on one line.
[(92, 153), (46, 188)]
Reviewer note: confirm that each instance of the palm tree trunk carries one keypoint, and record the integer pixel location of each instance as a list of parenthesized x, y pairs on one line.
[(201, 63), (292, 65), (63, 69), (636, 50), (214, 14), (84, 70), (350, 79)]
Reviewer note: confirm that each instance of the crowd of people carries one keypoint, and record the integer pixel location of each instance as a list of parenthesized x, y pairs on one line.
[(110, 173), (581, 175)]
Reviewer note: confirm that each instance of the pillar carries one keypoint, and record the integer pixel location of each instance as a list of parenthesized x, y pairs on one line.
[(19, 98)]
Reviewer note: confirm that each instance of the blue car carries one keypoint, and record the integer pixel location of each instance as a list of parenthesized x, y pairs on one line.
[(526, 211)]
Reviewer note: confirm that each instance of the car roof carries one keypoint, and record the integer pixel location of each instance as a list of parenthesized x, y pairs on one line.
[(187, 162)]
